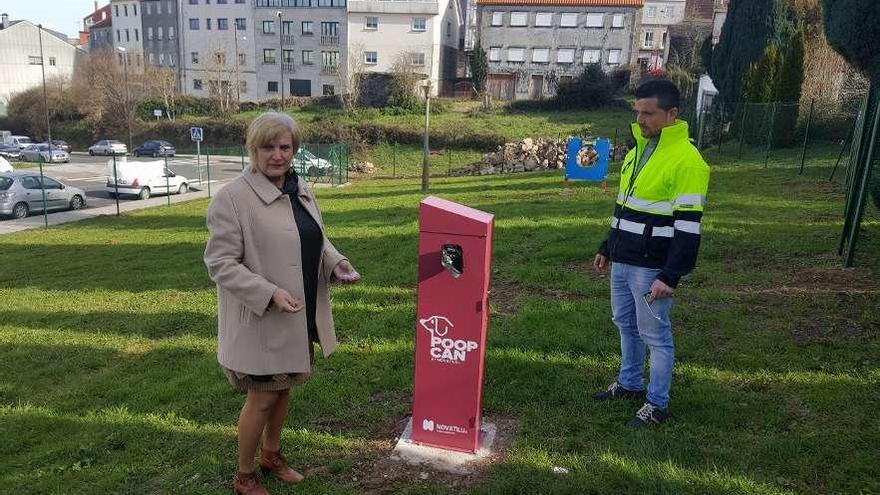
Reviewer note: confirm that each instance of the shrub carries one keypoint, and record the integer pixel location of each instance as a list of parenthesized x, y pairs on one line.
[(590, 90)]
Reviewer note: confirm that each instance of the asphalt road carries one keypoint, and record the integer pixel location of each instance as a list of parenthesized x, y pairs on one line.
[(89, 173)]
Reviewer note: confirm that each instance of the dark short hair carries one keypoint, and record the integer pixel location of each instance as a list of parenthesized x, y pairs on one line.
[(666, 92)]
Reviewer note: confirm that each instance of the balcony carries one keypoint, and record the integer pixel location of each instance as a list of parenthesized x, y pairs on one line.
[(269, 61), (287, 67), (329, 70), (327, 40), (286, 39)]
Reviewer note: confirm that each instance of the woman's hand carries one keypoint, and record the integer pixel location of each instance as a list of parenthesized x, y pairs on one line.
[(346, 273), (285, 302)]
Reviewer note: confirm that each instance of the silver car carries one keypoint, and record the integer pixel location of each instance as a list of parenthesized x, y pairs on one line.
[(42, 153), (108, 147), (22, 193)]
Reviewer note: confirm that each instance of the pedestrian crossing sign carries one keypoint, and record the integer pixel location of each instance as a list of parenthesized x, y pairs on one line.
[(195, 133)]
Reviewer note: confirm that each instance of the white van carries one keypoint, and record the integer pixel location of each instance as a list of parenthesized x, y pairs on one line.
[(143, 179), (21, 141)]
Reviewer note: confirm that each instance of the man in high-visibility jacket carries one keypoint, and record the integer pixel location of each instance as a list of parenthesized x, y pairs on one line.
[(652, 243)]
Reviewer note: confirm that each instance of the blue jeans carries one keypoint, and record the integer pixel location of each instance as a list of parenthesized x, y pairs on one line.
[(642, 327)]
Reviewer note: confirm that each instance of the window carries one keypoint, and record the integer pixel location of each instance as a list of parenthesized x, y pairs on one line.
[(220, 58), (116, 9), (569, 20), (150, 9), (419, 24), (543, 19), (125, 9), (171, 60), (127, 35), (268, 55), (617, 21), (194, 24), (35, 60), (268, 27), (329, 29), (287, 28), (649, 39), (169, 7), (614, 57), (242, 86), (497, 18), (239, 1), (240, 24), (149, 32), (159, 32), (242, 59), (208, 23), (372, 22), (519, 19), (159, 7), (670, 11), (170, 32), (30, 182), (150, 56), (161, 58), (565, 56), (330, 59), (328, 90), (652, 11), (221, 2), (222, 24), (494, 53), (272, 87), (595, 20), (417, 59), (307, 57), (135, 7), (197, 84), (371, 58), (516, 54), (194, 57), (118, 38), (592, 56), (540, 55), (193, 2), (287, 56), (137, 36), (308, 28), (665, 39)]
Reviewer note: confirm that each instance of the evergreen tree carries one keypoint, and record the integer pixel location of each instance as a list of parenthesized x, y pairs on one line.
[(479, 68), (853, 30)]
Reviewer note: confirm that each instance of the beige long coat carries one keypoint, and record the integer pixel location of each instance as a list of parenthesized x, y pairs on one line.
[(253, 249)]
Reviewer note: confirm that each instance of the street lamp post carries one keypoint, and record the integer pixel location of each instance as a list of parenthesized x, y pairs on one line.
[(127, 95), (426, 86), (236, 61), (281, 56), (48, 126)]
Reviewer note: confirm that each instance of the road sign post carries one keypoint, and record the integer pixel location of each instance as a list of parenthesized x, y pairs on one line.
[(196, 134)]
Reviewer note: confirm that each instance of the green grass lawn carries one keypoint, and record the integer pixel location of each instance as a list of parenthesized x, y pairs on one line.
[(109, 381)]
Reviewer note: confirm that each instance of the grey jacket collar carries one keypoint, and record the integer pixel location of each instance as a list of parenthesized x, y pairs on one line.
[(267, 191)]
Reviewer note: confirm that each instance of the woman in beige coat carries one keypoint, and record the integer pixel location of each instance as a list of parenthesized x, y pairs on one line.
[(272, 264)]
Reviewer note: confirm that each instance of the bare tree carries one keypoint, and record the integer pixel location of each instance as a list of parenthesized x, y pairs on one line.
[(162, 84), (221, 78), (351, 77)]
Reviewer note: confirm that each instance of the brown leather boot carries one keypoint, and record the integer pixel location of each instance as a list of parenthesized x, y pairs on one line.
[(247, 484), (274, 462)]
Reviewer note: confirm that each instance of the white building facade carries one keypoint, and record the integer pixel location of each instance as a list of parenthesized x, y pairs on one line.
[(127, 33), (421, 34), (651, 49), (20, 62)]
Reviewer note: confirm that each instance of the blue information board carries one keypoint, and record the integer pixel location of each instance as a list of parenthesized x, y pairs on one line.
[(587, 159)]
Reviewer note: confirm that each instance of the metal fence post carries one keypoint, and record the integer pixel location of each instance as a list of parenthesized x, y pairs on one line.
[(208, 168), (771, 137), (742, 130), (720, 126), (241, 153), (448, 162), (115, 185), (394, 161), (614, 143), (43, 186), (702, 120), (807, 136), (167, 181), (862, 187)]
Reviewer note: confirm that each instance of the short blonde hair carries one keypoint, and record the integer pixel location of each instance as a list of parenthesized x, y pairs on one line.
[(267, 127)]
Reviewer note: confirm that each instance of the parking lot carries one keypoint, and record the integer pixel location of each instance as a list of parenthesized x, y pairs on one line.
[(90, 173)]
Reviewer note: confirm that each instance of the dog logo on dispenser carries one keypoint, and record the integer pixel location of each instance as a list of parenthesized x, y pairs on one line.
[(427, 425), (443, 348)]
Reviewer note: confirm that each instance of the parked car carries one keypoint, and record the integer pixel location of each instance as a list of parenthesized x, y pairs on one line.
[(43, 153), (10, 152), (21, 142), (143, 179), (155, 148), (4, 165), (108, 147), (22, 193), (59, 143), (306, 162)]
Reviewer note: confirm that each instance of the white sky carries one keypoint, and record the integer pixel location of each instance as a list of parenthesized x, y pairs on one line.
[(61, 15)]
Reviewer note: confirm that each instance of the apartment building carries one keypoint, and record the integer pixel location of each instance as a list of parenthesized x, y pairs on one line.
[(300, 46), (98, 29), (160, 30), (652, 41), (422, 34), (533, 45), (218, 53), (126, 19)]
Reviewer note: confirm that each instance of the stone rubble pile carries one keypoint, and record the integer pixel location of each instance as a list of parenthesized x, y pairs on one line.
[(523, 156)]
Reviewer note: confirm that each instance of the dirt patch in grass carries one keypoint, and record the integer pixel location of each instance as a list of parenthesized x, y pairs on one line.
[(827, 329), (370, 469), (504, 295), (817, 280)]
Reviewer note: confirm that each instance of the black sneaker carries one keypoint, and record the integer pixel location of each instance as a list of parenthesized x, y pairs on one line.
[(616, 391), (648, 415)]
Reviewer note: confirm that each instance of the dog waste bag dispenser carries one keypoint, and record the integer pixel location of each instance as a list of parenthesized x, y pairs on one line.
[(455, 255)]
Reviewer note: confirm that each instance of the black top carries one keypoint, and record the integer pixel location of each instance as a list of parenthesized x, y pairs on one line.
[(311, 241)]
